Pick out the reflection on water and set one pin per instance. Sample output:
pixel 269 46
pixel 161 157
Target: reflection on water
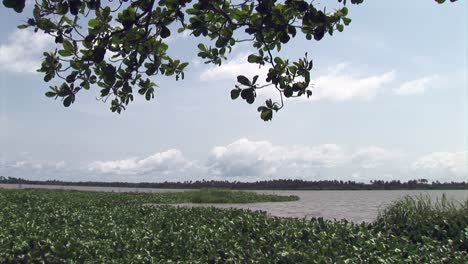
pixel 356 206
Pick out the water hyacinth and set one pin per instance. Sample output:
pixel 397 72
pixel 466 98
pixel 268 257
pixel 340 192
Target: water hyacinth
pixel 77 227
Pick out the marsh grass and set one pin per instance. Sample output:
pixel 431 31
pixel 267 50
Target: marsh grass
pixel 205 195
pixel 420 217
pixel 210 195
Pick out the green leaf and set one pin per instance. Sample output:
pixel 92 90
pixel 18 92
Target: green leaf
pixel 243 80
pixel 74 6
pixel 46 24
pixel 148 95
pixel 201 47
pixel 22 26
pixel 340 28
pixel 284 38
pixel 235 93
pixel 93 22
pixel 221 42
pixel 344 11
pixel 68 100
pixel 253 58
pixel 17 5
pixel 288 91
pixel 255 78
pixel 67 20
pixel 248 95
pixel 68 46
pixel 165 32
pixel 72 77
pixel 65 53
pixel 319 33
pixel 62 8
pixel 50 94
pixel 98 54
pixel 346 20
pixel 266 115
pixel 59 39
pixel 278 60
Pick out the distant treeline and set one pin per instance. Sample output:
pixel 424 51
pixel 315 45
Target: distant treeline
pixel 420 184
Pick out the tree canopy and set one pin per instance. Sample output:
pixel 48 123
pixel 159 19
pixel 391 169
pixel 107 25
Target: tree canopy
pixel 120 45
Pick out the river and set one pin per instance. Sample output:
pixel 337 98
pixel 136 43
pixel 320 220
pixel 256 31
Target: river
pixel 356 206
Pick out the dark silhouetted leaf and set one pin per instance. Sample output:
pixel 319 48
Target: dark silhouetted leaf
pixel 68 100
pixel 235 93
pixel 165 32
pixel 98 54
pixel 243 80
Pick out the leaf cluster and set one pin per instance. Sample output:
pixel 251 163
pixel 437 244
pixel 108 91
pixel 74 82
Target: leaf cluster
pixel 120 46
pixel 63 227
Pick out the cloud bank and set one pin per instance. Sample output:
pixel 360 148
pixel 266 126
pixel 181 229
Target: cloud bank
pixel 454 165
pixel 249 160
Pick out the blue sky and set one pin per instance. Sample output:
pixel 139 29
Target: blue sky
pixel 390 102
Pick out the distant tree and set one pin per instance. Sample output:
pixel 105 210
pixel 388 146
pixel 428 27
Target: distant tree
pixel 118 45
pixel 423 181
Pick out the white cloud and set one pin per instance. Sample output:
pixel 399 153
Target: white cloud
pixel 22 50
pixel 35 169
pixel 263 160
pixel 249 160
pixel 31 165
pixel 338 85
pixel 373 157
pixel 60 165
pixel 441 165
pixel 165 162
pixel 335 84
pixel 417 86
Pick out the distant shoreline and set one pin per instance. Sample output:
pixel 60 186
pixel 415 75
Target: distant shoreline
pixel 291 185
pixel 88 188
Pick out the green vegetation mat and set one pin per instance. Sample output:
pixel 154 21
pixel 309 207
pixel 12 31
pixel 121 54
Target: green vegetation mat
pixel 77 227
pixel 218 196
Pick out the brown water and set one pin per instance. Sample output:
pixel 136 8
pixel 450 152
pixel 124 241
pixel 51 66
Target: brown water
pixel 356 206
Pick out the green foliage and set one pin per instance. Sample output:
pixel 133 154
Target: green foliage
pixel 227 196
pixel 16 5
pixel 66 227
pixel 121 49
pixel 420 218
